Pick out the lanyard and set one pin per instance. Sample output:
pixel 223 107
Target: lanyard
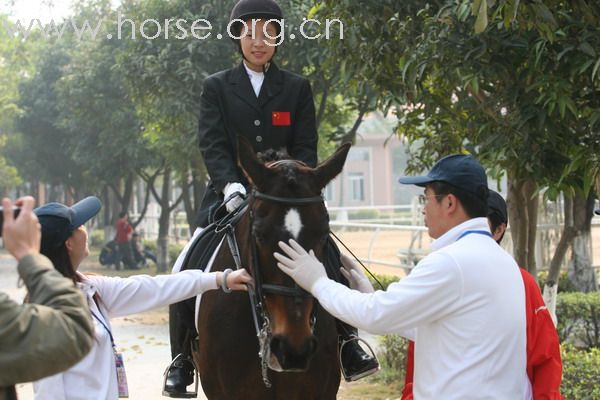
pixel 122 387
pixel 485 233
pixel 112 341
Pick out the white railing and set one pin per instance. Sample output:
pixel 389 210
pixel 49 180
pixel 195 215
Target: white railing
pixel 390 235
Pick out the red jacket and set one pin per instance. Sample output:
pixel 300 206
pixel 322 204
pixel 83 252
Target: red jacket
pixel 124 230
pixel 544 365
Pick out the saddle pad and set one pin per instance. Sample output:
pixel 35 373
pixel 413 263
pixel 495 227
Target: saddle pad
pixel 207 269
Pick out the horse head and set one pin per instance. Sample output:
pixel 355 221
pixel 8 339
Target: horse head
pixel 286 203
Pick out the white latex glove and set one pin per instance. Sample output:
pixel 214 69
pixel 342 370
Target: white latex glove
pixel 235 201
pixel 355 275
pixel 236 280
pixel 302 267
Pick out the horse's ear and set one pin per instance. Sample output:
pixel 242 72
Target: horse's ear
pixel 329 168
pixel 255 170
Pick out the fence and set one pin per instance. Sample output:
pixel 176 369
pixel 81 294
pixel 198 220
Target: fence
pixel 395 236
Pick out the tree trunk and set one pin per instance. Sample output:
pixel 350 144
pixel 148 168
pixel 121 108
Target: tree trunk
pixel 533 205
pixel 580 270
pixel 162 241
pixel 52 194
pixel 522 211
pixel 188 205
pixel 123 190
pixel 127 192
pixel 143 199
pixel 106 214
pixel 193 191
pixel 35 184
pixel 568 233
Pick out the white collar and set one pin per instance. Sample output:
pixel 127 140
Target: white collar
pixel 85 285
pixel 480 224
pixel 252 73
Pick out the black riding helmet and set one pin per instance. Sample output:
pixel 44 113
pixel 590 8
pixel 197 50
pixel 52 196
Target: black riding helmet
pixel 248 9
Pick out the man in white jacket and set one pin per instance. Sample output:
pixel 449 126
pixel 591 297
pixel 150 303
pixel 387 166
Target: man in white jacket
pixel 463 304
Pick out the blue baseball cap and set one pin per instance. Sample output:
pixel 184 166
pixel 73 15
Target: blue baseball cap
pixel 597 212
pixel 58 221
pixel 497 205
pixel 458 170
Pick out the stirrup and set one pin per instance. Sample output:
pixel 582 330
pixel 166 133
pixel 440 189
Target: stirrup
pixel 370 351
pixel 186 394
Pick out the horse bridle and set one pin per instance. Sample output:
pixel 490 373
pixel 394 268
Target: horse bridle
pixel 281 290
pixel 256 293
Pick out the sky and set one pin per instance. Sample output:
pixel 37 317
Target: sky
pixel 44 10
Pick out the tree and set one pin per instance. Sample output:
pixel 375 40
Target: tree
pixel 97 112
pixel 17 59
pixel 41 152
pixel 491 80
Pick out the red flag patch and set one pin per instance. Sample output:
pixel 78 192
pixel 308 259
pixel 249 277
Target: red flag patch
pixel 281 118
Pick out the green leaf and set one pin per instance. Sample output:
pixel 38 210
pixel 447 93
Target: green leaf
pixel 475 7
pixel 482 19
pixel 595 70
pixel 514 6
pixel 586 48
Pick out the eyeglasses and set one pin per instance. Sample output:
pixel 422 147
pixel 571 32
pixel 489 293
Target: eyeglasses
pixel 423 198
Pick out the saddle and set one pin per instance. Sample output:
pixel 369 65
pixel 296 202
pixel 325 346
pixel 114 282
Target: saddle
pixel 199 254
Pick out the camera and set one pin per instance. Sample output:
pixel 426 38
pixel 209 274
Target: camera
pixel 16 211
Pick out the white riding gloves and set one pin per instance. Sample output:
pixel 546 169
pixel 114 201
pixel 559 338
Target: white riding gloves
pixel 230 189
pixel 302 267
pixel 355 275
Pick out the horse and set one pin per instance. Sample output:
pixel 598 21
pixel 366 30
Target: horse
pixel 273 342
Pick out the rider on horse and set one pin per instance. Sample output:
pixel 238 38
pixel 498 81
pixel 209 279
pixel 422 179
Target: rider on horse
pixel 273 109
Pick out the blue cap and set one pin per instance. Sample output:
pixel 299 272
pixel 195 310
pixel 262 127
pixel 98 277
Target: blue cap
pixel 458 170
pixel 497 205
pixel 59 221
pixel 597 212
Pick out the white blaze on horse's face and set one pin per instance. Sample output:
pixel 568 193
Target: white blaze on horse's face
pixel 292 222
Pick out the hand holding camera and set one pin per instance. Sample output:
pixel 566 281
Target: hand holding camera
pixel 20 227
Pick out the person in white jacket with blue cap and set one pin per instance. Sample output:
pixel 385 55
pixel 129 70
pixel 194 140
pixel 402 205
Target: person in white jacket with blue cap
pixel 463 304
pixel 100 375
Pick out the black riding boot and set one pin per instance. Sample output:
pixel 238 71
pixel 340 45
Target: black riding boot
pixel 181 372
pixel 179 376
pixel 356 363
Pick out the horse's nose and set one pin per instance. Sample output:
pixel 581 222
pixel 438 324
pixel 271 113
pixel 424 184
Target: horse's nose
pixel 291 358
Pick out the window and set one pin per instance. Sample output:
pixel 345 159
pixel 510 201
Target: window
pixel 358 154
pixel 357 186
pixel 329 192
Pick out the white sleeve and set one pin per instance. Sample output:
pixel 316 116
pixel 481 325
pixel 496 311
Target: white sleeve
pixel 50 388
pixel 428 293
pixel 124 296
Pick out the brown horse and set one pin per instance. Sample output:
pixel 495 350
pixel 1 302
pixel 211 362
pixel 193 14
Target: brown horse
pixel 274 342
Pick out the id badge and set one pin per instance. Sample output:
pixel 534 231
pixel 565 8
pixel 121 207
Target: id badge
pixel 121 377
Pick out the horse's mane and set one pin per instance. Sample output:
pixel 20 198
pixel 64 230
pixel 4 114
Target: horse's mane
pixel 289 170
pixel 273 155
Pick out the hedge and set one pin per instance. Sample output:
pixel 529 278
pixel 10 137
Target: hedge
pixel 581 368
pixel 579 319
pixel 581 373
pixel 579 331
pixel 564 283
pixel 392 357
